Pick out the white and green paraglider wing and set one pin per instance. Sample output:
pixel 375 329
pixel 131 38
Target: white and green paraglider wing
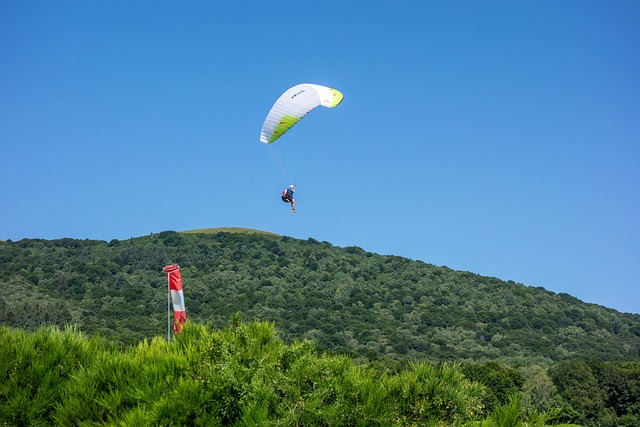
pixel 293 105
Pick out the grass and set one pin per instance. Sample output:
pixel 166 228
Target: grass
pixel 228 230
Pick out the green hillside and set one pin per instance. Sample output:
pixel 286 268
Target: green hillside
pixel 346 300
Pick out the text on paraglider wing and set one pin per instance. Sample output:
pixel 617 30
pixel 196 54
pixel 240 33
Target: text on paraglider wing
pixel 298 93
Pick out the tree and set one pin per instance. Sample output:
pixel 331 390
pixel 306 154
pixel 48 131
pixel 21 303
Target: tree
pixel 579 388
pixel 501 382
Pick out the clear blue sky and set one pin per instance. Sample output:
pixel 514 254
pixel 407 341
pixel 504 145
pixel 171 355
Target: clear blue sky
pixel 497 137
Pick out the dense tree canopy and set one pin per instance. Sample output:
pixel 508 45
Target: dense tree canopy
pixel 344 299
pixel 535 353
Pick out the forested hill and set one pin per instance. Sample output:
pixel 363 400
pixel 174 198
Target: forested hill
pixel 344 299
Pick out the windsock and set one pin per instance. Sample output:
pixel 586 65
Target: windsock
pixel 177 297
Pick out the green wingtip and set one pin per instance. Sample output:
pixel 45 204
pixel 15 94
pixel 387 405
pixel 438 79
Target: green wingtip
pixel 337 97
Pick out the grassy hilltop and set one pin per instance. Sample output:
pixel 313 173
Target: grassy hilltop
pixel 228 230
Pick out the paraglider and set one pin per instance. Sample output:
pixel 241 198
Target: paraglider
pixel 289 109
pixel 287 197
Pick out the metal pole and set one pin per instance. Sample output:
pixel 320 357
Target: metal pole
pixel 168 307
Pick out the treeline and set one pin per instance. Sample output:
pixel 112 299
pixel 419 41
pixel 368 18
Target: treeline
pixel 244 375
pixel 345 300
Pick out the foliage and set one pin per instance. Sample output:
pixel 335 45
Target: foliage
pixel 524 352
pixel 539 393
pixel 346 300
pixel 246 375
pixel 243 375
pixel 599 393
pixel 501 382
pixel 512 414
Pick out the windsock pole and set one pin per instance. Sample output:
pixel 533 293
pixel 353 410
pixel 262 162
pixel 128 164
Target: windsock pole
pixel 168 307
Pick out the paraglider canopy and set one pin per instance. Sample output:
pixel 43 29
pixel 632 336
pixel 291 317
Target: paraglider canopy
pixel 293 105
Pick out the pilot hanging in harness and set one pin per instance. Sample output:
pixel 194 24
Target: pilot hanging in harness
pixel 287 197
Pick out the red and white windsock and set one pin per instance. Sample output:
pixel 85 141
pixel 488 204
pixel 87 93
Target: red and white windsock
pixel 175 287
